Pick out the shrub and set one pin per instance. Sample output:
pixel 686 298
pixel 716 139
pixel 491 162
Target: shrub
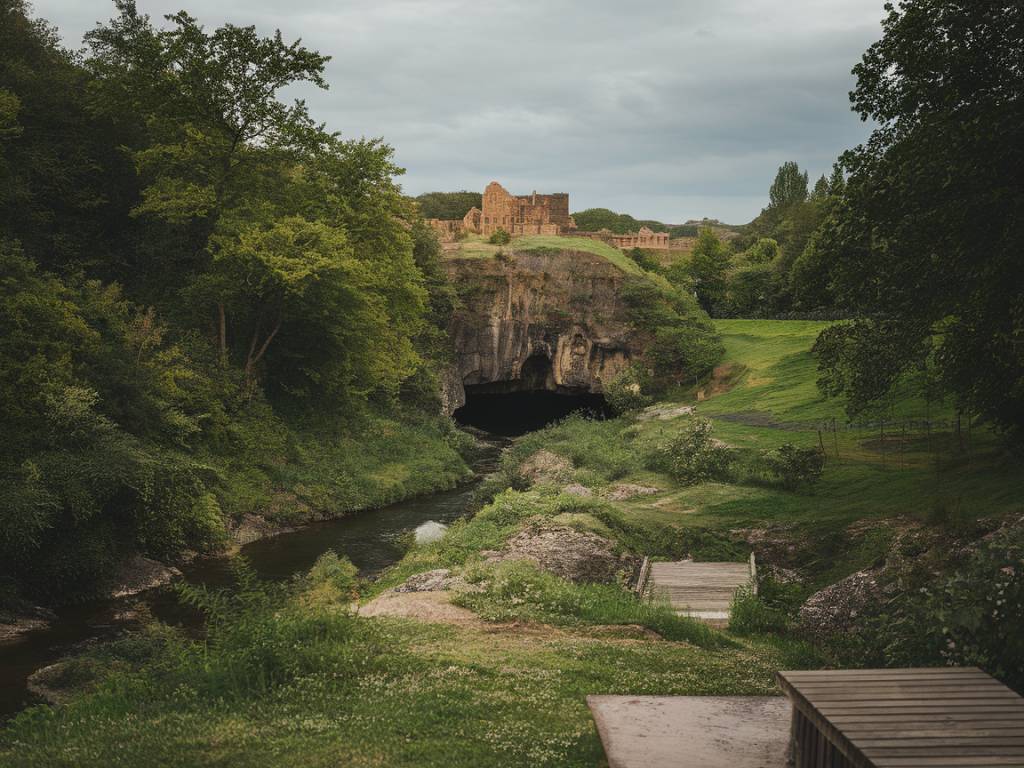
pixel 684 344
pixel 972 616
pixel 626 393
pixel 500 237
pixel 796 467
pixel 258 640
pixel 694 456
pixel 749 615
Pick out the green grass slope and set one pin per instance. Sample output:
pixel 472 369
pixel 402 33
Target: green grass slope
pixel 477 246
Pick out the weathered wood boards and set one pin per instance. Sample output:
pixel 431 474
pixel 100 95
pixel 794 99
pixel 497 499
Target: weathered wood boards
pixel 699 588
pixel 896 718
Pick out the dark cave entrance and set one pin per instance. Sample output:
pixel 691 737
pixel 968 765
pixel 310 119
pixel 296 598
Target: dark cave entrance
pixel 511 414
pixel 512 408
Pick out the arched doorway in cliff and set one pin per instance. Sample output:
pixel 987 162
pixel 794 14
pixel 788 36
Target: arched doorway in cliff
pixel 532 401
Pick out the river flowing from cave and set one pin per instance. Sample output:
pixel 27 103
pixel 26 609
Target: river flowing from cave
pixel 372 540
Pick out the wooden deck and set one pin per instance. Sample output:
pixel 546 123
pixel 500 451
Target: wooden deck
pixel 891 718
pixel 702 590
pixel 692 731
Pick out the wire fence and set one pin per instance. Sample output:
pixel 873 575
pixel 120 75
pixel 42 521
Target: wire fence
pixel 890 438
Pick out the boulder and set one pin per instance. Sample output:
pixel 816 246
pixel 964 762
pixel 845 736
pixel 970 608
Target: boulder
pixel 573 555
pixel 624 491
pixel 546 467
pixel 26 619
pixel 575 489
pixel 836 609
pixel 438 580
pixel 255 527
pixel 138 573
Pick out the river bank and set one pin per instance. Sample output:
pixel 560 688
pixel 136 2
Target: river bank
pixel 372 539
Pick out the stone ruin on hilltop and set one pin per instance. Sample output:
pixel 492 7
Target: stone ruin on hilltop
pixel 535 214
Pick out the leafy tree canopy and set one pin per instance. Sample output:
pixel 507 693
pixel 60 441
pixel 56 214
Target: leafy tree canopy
pixel 448 205
pixel 788 188
pixel 925 242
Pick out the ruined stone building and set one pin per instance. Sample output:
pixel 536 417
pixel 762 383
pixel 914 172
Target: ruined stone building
pixel 516 214
pixel 524 214
pixel 645 238
pixel 534 215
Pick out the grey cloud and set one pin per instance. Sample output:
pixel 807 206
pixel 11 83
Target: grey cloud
pixel 668 109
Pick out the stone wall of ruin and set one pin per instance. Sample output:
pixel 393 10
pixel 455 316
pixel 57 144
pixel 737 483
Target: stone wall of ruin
pixel 524 214
pixel 645 238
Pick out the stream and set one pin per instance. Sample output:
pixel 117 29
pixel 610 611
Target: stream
pixel 372 540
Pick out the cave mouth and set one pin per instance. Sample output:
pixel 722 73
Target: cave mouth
pixel 511 414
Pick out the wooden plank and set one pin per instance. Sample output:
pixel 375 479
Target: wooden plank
pixel 946 740
pixel 698 587
pixel 840 693
pixel 955 750
pixel 964 761
pixel 887 672
pixel 918 717
pixel 894 697
pixel 924 688
pixel 927 725
pixel 920 722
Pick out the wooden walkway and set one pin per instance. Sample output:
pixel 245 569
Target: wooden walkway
pixel 692 731
pixel 888 718
pixel 701 590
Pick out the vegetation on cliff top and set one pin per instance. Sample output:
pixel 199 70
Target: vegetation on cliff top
pixel 476 246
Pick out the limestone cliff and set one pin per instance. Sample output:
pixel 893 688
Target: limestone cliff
pixel 537 320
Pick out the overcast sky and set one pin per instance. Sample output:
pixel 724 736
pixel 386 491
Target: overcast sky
pixel 665 109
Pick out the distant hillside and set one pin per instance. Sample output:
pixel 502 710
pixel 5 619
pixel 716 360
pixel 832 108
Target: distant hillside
pixel 594 219
pixel 448 205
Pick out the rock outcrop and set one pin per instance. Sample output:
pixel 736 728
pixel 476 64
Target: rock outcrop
pixel 574 555
pixel 537 320
pixel 837 609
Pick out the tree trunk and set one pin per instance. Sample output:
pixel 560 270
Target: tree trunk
pixel 222 328
pixel 255 355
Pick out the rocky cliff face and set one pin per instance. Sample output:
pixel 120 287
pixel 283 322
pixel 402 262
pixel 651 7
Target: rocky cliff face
pixel 550 320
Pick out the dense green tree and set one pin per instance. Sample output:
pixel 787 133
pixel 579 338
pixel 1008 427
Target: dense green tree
pixel 229 171
pixel 708 266
pixel 836 181
pixel 764 251
pixel 96 409
pixel 821 189
pixel 788 188
pixel 266 265
pixel 448 205
pixel 595 219
pixel 753 290
pixel 64 183
pixel 644 259
pixel 683 344
pixel 925 243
